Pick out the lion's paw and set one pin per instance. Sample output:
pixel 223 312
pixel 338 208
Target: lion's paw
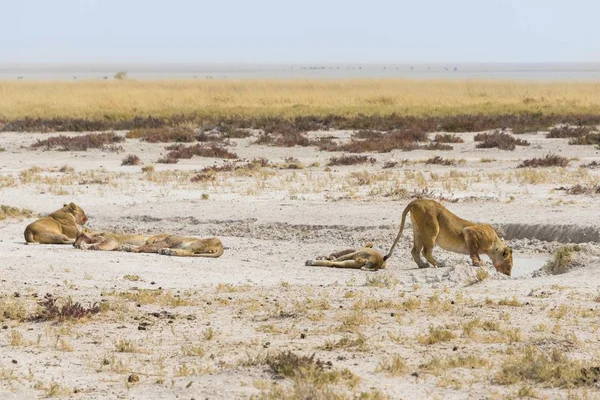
pixel 167 252
pixel 127 247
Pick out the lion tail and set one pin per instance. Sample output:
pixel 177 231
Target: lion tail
pixel 404 213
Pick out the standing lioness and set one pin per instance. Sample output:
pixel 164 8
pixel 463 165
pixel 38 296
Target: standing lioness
pixel 433 224
pixel 60 227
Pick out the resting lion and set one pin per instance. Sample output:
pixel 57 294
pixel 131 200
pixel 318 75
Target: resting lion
pixel 433 224
pixel 60 227
pixel 108 241
pixel 364 258
pixel 173 245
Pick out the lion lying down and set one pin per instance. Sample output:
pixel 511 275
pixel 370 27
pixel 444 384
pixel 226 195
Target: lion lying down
pixel 171 245
pixel 60 227
pixel 364 258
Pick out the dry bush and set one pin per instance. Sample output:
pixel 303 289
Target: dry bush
pixel 436 146
pixel 549 160
pixel 383 142
pixel 500 140
pixel 237 134
pixel 200 150
pixel 437 160
pixel 567 131
pixel 554 369
pixel 591 139
pixel 54 309
pixel 389 164
pixel 203 177
pixel 447 138
pixel 350 160
pixel 78 143
pixel 593 164
pixel 582 189
pixel 561 261
pixel 8 212
pixel 163 135
pixel 131 159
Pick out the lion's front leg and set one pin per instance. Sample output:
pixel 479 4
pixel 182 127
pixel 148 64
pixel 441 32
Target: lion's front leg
pixel 472 241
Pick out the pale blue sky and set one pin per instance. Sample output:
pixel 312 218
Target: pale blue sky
pixel 307 31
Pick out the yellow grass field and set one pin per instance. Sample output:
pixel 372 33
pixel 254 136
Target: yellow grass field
pixel 288 98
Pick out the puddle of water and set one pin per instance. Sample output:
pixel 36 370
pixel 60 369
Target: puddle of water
pixel 523 266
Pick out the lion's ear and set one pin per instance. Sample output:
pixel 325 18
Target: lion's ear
pixel 65 204
pixel 507 252
pixel 72 206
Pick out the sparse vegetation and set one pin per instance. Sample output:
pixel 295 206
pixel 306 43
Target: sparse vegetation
pixel 350 160
pixel 437 160
pixel 56 309
pixel 9 212
pixel 568 131
pixel 561 261
pixel 396 366
pixel 554 369
pixel 447 138
pixel 436 335
pixel 131 159
pixel 163 135
pixel 500 140
pixel 549 160
pixel 79 142
pixel 200 150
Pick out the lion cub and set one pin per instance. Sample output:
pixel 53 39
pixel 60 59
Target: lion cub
pixel 60 227
pixel 173 245
pixel 433 224
pixel 364 258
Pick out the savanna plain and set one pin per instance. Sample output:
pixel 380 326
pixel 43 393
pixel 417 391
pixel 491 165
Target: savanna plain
pixel 282 172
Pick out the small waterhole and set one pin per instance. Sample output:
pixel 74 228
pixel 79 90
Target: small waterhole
pixel 525 266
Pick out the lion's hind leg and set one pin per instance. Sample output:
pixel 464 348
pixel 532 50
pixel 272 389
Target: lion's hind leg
pixel 53 238
pixel 418 247
pixel 352 264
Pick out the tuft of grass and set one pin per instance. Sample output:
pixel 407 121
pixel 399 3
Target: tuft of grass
pixel 561 261
pixel 553 368
pixel 126 346
pixel 500 140
pixel 350 160
pixel 78 143
pixel 549 160
pixel 437 160
pixel 347 343
pixel 9 212
pixel 131 159
pixel 396 366
pixel 381 280
pixel 447 138
pixel 436 335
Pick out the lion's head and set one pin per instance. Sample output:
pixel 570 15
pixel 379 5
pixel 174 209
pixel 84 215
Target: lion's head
pixel 76 211
pixel 503 262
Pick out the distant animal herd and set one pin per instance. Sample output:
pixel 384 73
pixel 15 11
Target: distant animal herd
pixel 432 224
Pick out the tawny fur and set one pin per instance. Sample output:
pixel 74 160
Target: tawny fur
pixel 108 241
pixel 364 258
pixel 172 245
pixel 434 224
pixel 60 227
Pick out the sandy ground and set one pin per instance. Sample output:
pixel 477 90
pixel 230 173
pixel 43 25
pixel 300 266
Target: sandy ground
pixel 201 328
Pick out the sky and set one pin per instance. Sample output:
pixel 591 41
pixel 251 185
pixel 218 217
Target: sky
pixel 298 31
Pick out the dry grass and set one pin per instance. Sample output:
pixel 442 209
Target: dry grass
pixel 561 261
pixel 54 309
pixel 163 135
pixel 350 160
pixel 549 160
pixel 553 369
pixel 79 142
pixel 127 99
pixel 180 151
pixel 131 159
pixel 437 160
pixel 9 212
pixel 567 131
pixel 500 140
pixel 447 138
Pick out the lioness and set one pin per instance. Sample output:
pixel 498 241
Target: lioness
pixel 173 245
pixel 60 227
pixel 433 224
pixel 364 258
pixel 108 241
